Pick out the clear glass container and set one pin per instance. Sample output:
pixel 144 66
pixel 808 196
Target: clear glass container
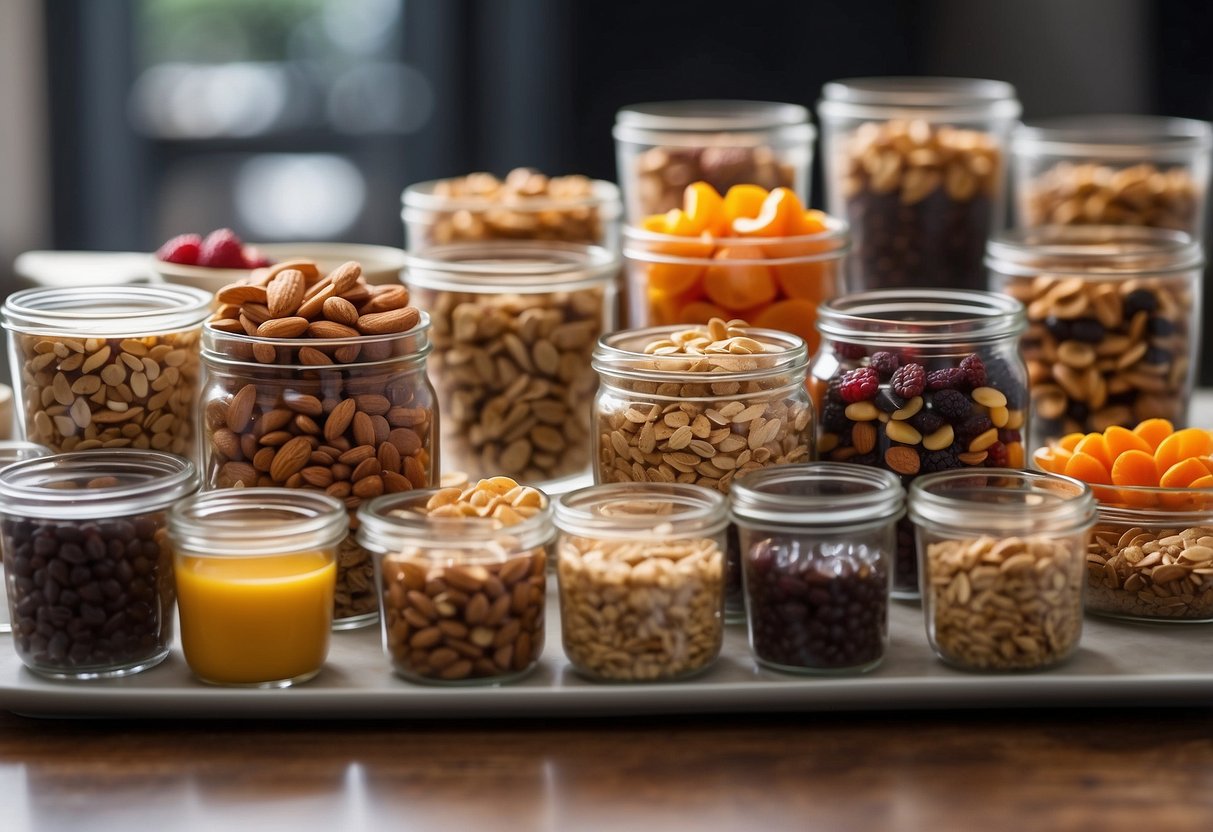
pixel 641 574
pixel 662 147
pixel 817 543
pixel 1003 556
pixel 916 166
pixel 676 418
pixel 88 569
pixel 963 400
pixel 14 451
pixel 463 598
pixel 1113 323
pixel 1113 170
pixel 514 326
pixel 770 282
pixel 358 427
pixel 255 571
pixel 107 367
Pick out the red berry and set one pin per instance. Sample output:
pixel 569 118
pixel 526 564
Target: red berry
pixel 858 385
pixel 974 370
pixel 909 381
pixel 997 456
pixel 851 351
pixel 949 378
pixel 181 249
pixel 222 249
pixel 254 259
pixel 886 363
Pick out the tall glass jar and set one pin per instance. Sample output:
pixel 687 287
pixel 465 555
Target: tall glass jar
pixel 1113 323
pixel 88 569
pixel 514 326
pixel 108 367
pixel 917 381
pixel 14 451
pixel 817 543
pixel 361 425
pixel 916 166
pixel 662 147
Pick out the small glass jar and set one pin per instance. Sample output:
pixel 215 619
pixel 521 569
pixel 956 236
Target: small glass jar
pixel 662 147
pixel 1113 170
pixel 255 571
pixel 770 282
pixel 817 543
pixel 641 575
pixel 1003 557
pixel 1113 323
pixel 361 425
pixel 108 367
pixel 954 357
pixel 88 568
pixel 916 166
pixel 463 598
pixel 514 326
pixel 14 451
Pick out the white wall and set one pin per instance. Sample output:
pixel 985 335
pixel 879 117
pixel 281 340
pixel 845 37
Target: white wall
pixel 24 177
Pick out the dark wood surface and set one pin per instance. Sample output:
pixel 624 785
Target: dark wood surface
pixel 1133 769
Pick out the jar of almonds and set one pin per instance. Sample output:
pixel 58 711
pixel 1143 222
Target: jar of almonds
pixel 514 327
pixel 319 381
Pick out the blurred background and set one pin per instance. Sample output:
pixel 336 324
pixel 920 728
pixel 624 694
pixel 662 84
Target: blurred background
pixel 129 121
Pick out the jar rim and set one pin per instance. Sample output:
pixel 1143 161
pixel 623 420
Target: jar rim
pixel 385 533
pixel 106 310
pixel 526 266
pixel 893 317
pixel 211 337
pixel 420 196
pixel 612 360
pixel 837 233
pixel 196 523
pixel 1093 251
pixel 16 450
pixel 637 122
pixel 820 494
pixel 1118 137
pixel 936 97
pixel 580 512
pixel 1001 499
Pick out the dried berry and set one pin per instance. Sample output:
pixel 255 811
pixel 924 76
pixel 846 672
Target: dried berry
pixel 886 363
pixel 926 421
pixel 971 428
pixel 952 405
pixel 859 385
pixel 1086 329
pixel 832 416
pixel 997 456
pixel 974 370
pixel 942 460
pixel 909 381
pixel 854 352
pixel 1008 436
pixel 949 378
pixel 1000 376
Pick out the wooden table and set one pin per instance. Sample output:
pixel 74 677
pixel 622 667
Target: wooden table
pixel 1141 769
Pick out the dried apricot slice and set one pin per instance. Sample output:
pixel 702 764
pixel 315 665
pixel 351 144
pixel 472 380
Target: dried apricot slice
pixel 1182 444
pixel 1121 439
pixel 807 222
pixel 1053 459
pixel 1204 482
pixel 744 201
pixel 1183 473
pixel 795 316
pixel 1135 468
pixel 739 285
pixel 704 207
pixel 1154 431
pixel 698 312
pixel 1094 444
pixel 772 220
pixel 1070 441
pixel 1083 466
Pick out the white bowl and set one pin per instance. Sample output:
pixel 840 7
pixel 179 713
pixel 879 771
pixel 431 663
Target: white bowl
pixel 380 264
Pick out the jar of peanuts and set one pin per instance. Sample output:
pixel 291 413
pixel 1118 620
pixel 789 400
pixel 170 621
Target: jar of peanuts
pixel 319 382
pixel 916 166
pixel 514 327
pixel 1113 323
pixel 916 381
pixel 641 573
pixel 701 406
pixel 462 576
pixel 1003 565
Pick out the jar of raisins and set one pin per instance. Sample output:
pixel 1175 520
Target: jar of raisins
pixel 916 381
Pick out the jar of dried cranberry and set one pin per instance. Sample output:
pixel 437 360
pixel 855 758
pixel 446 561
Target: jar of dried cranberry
pixel 920 380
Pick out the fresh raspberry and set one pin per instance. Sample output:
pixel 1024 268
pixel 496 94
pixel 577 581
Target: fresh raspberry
pixel 926 421
pixel 181 249
pixel 853 352
pixel 858 385
pixel 949 378
pixel 908 381
pixel 886 363
pixel 941 460
pixel 997 456
pixel 952 405
pixel 254 259
pixel 222 249
pixel 974 370
pixel 971 428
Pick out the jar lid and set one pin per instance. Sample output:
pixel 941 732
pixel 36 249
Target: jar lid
pixel 1005 500
pixel 238 522
pixel 392 522
pixel 707 116
pixel 633 511
pixel 1127 138
pixel 909 317
pixel 622 355
pixel 106 482
pixel 524 267
pixel 820 494
pixel 1095 251
pixel 936 97
pixel 106 311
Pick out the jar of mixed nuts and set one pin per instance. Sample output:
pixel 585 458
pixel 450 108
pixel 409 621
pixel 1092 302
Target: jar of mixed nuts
pixel 14 451
pixel 817 543
pixel 514 326
pixel 701 406
pixel 916 166
pixel 920 380
pixel 1113 323
pixel 641 574
pixel 1003 557
pixel 88 568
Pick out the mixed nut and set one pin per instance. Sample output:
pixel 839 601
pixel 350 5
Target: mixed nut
pixel 1096 194
pixel 1151 573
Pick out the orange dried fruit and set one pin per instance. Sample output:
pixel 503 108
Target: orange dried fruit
pixel 704 207
pixel 1135 468
pixel 744 201
pixel 1204 482
pixel 806 222
pixel 1094 445
pixel 698 312
pixel 1083 466
pixel 1070 441
pixel 1120 439
pixel 674 278
pixel 795 316
pixel 772 218
pixel 739 285
pixel 1189 442
pixel 1154 431
pixel 1183 473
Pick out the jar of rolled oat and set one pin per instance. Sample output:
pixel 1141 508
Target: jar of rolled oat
pixel 514 327
pixel 1003 556
pixel 641 573
pixel 701 406
pixel 916 166
pixel 1113 323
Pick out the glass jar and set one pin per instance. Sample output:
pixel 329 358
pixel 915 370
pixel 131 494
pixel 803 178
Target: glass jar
pixel 1113 323
pixel 362 425
pixel 954 357
pixel 108 367
pixel 14 451
pixel 463 598
pixel 255 571
pixel 1003 556
pixel 641 574
pixel 1113 170
pixel 88 571
pixel 817 543
pixel 770 282
pixel 662 147
pixel 915 165
pixel 514 326
pixel 658 418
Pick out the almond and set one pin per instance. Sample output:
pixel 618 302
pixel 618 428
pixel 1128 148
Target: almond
pixel 384 323
pixel 313 357
pixel 285 293
pixel 258 313
pixel 240 409
pixel 310 273
pixel 339 419
pixel 385 299
pixel 331 329
pixel 227 325
pixel 291 458
pixel 345 276
pixel 903 460
pixel 292 327
pixel 863 437
pixel 314 305
pixel 395 483
pixel 239 293
pixel 341 311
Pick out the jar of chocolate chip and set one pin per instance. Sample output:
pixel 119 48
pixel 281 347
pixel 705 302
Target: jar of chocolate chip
pixel 1113 323
pixel 662 147
pixel 14 451
pixel 916 381
pixel 916 166
pixel 817 543
pixel 88 568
